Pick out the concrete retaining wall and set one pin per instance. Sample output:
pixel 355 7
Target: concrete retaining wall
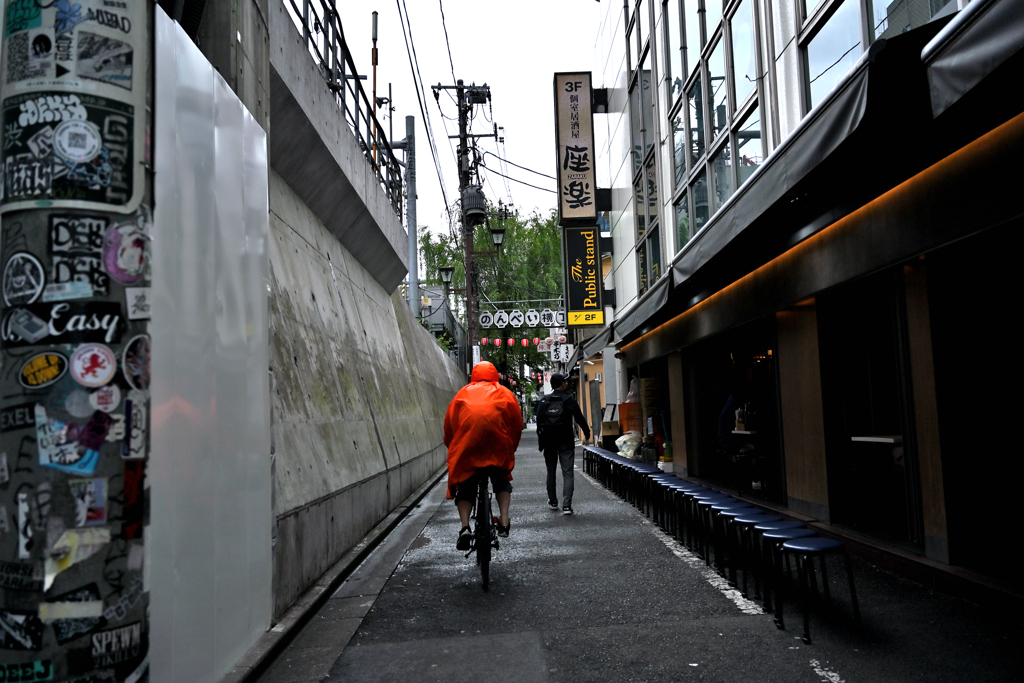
pixel 359 394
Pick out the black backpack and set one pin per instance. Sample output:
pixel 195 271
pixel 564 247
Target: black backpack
pixel 550 412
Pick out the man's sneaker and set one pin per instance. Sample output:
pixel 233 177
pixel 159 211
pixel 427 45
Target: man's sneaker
pixel 553 504
pixel 503 530
pixel 567 509
pixel 465 539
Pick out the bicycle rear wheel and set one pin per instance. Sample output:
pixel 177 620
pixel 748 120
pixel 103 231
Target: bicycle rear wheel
pixel 483 531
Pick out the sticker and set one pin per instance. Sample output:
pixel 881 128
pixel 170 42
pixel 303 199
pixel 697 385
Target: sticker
pixel 21 15
pixel 68 628
pixel 117 429
pixel 90 496
pixel 132 497
pixel 108 178
pixel 136 556
pixel 24 527
pixel 76 251
pixel 104 59
pixel 23 279
pixel 5 525
pixel 42 370
pixel 106 398
pixel 135 362
pixel 64 322
pixel 39 670
pixel 12 418
pixel 73 546
pixel 137 300
pixel 19 576
pixel 76 141
pixel 112 648
pixel 65 445
pixel 134 446
pixel 124 253
pixel 5 475
pixel 27 54
pixel 20 631
pixel 93 365
pixel 26 326
pixel 78 405
pixel 107 676
pixel 68 291
pixel 130 597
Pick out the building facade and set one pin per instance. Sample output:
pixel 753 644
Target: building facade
pixel 813 226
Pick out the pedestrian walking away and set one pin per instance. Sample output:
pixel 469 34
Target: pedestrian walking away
pixel 482 429
pixel 557 439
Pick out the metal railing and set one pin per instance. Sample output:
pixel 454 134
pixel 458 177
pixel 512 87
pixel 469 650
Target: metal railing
pixel 320 26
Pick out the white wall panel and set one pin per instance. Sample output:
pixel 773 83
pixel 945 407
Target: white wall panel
pixel 210 559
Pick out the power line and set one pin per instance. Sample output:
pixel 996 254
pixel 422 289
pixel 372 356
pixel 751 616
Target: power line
pixel 445 26
pixel 545 189
pixel 420 95
pixel 518 166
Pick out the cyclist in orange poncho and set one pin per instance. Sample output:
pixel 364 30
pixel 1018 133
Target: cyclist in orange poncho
pixel 481 430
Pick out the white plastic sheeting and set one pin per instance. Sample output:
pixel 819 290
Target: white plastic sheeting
pixel 209 563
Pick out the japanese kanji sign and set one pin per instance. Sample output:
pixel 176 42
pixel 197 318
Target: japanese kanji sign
pixel 574 133
pixel 583 279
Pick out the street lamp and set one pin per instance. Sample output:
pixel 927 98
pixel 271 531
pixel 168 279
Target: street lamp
pixel 497 237
pixel 446 273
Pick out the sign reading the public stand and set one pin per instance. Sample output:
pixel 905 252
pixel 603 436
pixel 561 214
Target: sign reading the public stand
pixel 583 277
pixel 574 132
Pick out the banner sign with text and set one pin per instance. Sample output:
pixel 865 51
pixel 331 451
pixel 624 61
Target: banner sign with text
pixel 583 281
pixel 574 133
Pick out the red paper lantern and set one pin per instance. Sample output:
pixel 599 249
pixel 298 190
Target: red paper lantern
pixel 484 341
pixel 536 340
pixel 526 342
pixel 497 342
pixel 561 339
pixel 511 342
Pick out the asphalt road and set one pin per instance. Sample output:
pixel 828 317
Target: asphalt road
pixel 604 595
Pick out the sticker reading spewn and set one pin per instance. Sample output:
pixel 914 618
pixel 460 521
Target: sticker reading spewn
pixel 43 370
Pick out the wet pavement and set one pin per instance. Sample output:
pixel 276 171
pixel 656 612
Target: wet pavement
pixel 604 595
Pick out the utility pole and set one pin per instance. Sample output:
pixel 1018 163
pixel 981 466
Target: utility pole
pixel 410 213
pixel 467 227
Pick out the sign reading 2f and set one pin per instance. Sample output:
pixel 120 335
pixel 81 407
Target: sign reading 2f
pixel 574 133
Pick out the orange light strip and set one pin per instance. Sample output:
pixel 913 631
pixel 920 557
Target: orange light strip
pixel 973 154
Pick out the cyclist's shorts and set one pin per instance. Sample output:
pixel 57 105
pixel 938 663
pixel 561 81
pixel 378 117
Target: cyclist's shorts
pixel 466 490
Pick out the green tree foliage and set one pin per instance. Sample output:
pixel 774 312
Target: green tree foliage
pixel 529 268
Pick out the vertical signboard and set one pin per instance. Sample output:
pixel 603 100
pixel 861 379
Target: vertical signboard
pixel 574 133
pixel 583 277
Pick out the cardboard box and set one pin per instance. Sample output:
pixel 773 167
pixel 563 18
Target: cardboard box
pixel 610 428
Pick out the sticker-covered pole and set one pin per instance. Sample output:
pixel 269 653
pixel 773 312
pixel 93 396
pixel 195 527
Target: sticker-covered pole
pixel 410 181
pixel 75 199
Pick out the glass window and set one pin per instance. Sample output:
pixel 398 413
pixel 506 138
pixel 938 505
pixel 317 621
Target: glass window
pixel 654 256
pixel 749 151
pixel 679 139
pixel 713 15
pixel 692 25
pixel 674 48
pixel 652 191
pixel 900 16
pixel 640 205
pixel 642 20
pixel 721 171
pixel 641 266
pixel 833 50
pixel 683 233
pixel 699 192
pixel 695 98
pixel 635 124
pixel 648 106
pixel 719 98
pixel 744 73
pixel 810 6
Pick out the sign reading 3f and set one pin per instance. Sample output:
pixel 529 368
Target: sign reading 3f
pixel 574 131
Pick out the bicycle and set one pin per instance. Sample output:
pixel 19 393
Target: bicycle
pixel 485 530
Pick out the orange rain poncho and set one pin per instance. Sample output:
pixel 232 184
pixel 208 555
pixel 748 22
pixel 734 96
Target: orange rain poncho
pixel 482 427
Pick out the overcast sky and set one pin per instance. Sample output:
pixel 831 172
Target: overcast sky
pixel 514 47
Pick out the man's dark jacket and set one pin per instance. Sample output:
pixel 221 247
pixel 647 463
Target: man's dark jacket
pixel 562 435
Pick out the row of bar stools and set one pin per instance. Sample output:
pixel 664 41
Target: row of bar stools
pixel 747 551
pixel 806 549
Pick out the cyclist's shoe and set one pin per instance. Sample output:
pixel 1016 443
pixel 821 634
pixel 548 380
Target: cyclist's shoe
pixel 503 530
pixel 567 509
pixel 465 539
pixel 553 504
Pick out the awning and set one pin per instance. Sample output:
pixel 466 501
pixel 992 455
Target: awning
pixel 982 37
pixel 653 302
pixel 597 343
pixel 835 118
